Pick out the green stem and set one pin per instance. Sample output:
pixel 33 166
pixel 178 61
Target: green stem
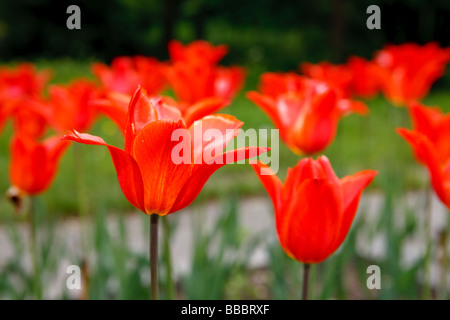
pixel 305 281
pixel 37 286
pixel 154 256
pixel 170 284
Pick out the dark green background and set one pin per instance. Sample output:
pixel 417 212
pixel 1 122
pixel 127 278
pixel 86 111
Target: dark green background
pixel 274 33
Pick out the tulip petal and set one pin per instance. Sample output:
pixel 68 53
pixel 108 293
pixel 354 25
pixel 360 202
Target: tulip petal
pixel 211 134
pixel 352 188
pixel 162 177
pixel 268 105
pixel 347 106
pixel 426 154
pixel 164 110
pixel 128 172
pixel 115 107
pixel 203 108
pixel 308 224
pixel 271 183
pixel 140 112
pixel 202 172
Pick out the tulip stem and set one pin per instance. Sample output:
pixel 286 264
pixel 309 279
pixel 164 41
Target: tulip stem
pixel 154 256
pixel 306 269
pixel 33 249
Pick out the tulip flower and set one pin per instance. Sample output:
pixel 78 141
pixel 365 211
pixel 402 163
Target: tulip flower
pixel 406 72
pixel 126 73
pixel 22 81
pixel 314 210
pixel 17 85
pixel 306 111
pixel 198 61
pixel 34 163
pixel 152 174
pixel 197 52
pixel 364 77
pixel 430 142
pixel 148 176
pixel 336 76
pixel 72 106
pixel 31 117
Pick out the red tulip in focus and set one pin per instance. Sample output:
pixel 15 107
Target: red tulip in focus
pixel 194 75
pixel 430 142
pixel 72 107
pixel 314 209
pixel 407 72
pixel 306 111
pixel 127 73
pixel 149 176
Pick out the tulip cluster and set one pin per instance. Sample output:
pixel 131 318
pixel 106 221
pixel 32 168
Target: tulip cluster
pixel 160 175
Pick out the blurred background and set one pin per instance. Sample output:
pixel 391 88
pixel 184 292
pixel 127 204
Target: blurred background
pixel 276 34
pixel 265 35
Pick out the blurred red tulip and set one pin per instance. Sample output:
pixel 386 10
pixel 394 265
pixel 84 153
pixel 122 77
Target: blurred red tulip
pixel 33 164
pixel 126 73
pixel 17 85
pixel 364 77
pixel 314 209
pixel 194 75
pixel 336 76
pixel 115 107
pixel 306 111
pixel 72 106
pixel 406 72
pixel 148 175
pixel 22 81
pixel 430 143
pixel 31 117
pixel 197 52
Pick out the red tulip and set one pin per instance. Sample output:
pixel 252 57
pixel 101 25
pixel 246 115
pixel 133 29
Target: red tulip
pixel 126 73
pixel 147 173
pixel 336 76
pixel 197 52
pixel 314 209
pixel 33 164
pixel 407 72
pixel 305 111
pixel 17 85
pixel 364 77
pixel 72 106
pixel 22 81
pixel 430 142
pixel 193 74
pixel 31 117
